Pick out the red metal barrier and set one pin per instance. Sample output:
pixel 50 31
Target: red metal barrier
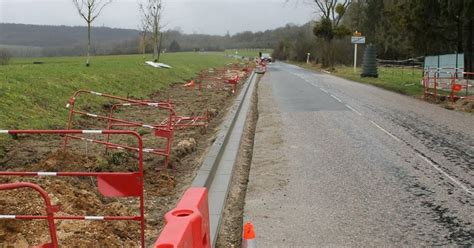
pixel 178 122
pixel 164 131
pixel 434 82
pixel 187 225
pixel 446 82
pixel 110 184
pixel 219 79
pixel 50 210
pixel 466 83
pixel 245 67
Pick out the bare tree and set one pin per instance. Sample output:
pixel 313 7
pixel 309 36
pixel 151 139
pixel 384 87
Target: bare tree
pixel 329 26
pixel 143 38
pixel 89 10
pixel 152 11
pixel 332 9
pixel 144 27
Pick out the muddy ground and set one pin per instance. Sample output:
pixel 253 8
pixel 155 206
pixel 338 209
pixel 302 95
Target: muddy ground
pixel 79 196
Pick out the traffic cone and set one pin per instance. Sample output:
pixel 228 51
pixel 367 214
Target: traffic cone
pixel 248 237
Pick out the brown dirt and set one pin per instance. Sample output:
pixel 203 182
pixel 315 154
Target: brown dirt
pixel 230 233
pixel 79 196
pixel 465 105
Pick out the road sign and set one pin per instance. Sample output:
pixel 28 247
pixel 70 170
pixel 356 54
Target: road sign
pixel 358 39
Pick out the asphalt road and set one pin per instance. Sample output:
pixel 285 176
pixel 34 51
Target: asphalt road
pixel 338 163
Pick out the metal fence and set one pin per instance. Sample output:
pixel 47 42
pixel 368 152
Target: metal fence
pixel 446 64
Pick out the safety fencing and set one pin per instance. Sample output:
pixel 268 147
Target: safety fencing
pixel 163 130
pixel 226 78
pixel 50 210
pixel 218 80
pixel 187 225
pixel 178 122
pixel 110 184
pixel 450 83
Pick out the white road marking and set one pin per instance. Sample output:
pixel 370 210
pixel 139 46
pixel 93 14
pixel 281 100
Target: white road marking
pixel 385 131
pixel 445 174
pixel 462 186
pixel 351 108
pixel 335 97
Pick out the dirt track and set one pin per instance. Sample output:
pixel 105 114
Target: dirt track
pixel 79 196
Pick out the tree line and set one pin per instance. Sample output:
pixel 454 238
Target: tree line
pixel 410 28
pixel 27 40
pixel 399 29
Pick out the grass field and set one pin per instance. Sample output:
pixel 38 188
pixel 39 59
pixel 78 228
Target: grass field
pixel 251 53
pixel 402 80
pixel 34 95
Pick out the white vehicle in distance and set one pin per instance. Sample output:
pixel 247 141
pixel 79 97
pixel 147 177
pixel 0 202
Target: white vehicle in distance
pixel 266 57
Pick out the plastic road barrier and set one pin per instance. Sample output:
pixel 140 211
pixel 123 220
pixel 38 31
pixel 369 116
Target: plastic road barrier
pixel 187 225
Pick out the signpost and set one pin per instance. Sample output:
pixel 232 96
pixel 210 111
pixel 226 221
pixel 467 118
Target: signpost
pixel 307 58
pixel 357 39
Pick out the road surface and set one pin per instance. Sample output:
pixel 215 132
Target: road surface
pixel 338 163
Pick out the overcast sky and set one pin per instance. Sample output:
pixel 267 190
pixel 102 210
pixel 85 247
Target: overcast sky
pixel 192 16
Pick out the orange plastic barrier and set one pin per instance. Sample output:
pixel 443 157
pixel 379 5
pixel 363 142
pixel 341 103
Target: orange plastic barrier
pixel 187 225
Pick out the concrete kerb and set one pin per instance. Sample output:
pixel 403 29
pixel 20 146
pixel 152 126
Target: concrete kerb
pixel 218 166
pixel 208 168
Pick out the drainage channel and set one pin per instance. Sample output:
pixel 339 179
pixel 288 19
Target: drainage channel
pixel 218 166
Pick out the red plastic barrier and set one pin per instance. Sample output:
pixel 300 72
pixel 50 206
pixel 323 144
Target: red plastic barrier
pixel 187 225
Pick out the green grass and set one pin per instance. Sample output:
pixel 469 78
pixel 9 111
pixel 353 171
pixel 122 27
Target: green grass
pixel 251 53
pixel 402 80
pixel 34 96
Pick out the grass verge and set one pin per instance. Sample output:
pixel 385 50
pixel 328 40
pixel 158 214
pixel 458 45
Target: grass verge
pixel 401 80
pixel 33 96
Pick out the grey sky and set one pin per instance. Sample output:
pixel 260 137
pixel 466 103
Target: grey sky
pixel 192 16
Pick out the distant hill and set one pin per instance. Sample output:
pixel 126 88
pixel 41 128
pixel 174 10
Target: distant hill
pixel 53 36
pixel 40 40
